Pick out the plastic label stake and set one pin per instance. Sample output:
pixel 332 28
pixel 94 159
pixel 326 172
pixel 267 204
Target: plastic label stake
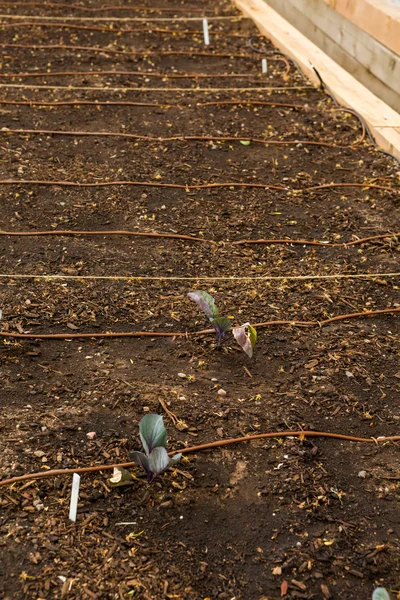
pixel 73 507
pixel 264 65
pixel 206 33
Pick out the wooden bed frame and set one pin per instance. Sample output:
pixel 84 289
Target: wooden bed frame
pixel 348 90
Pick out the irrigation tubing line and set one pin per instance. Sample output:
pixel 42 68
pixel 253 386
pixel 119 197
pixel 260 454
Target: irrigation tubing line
pixel 129 19
pixel 164 278
pixel 104 29
pixel 315 242
pixel 108 50
pixel 34 103
pixel 45 5
pixel 193 449
pixel 189 238
pixel 186 334
pixel 181 137
pixel 151 234
pixel 99 88
pixel 118 32
pixel 251 102
pixel 131 73
pixel 200 186
pixel 139 183
pixel 179 106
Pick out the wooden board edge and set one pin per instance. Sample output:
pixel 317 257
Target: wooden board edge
pixel 380 19
pixel 388 138
pixel 347 90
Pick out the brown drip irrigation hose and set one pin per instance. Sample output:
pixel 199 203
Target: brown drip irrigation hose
pixel 179 106
pixel 189 238
pixel 149 30
pixel 316 243
pixel 142 183
pixel 184 138
pixel 251 103
pixel 129 73
pixel 192 449
pixel 33 103
pixel 164 90
pixel 151 234
pixel 167 279
pixel 108 50
pixel 132 334
pixel 103 29
pixel 110 19
pixel 45 5
pixel 200 186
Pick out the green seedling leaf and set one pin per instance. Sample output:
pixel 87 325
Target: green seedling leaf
pixel 152 432
pixel 221 325
pixel 156 459
pixel 245 142
pixel 120 478
pixel 380 594
pixel 206 302
pixel 252 335
pixel 142 460
pixel 246 337
pixel 175 459
pixel 159 461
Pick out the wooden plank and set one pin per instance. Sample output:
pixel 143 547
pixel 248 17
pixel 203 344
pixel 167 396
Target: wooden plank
pixel 371 54
pixel 347 90
pixel 389 138
pixel 379 18
pixel 357 52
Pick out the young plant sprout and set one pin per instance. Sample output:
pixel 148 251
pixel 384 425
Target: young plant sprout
pixel 245 335
pixel 380 594
pixel 155 459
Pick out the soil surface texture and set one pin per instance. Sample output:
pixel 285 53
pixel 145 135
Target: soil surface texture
pixel 120 119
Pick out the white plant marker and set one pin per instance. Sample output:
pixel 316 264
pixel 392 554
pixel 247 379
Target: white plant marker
pixel 264 65
pixel 73 507
pixel 206 33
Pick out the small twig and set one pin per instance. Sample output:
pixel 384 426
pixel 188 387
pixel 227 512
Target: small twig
pixel 178 423
pixel 171 415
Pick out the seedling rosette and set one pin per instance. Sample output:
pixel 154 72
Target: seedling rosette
pixel 245 335
pixel 153 435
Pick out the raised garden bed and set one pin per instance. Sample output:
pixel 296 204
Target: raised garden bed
pixel 284 517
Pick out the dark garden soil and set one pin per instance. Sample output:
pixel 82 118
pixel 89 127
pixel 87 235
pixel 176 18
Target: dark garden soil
pixel 284 517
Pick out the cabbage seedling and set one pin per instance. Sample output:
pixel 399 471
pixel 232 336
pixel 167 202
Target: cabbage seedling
pixel 154 460
pixel 245 335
